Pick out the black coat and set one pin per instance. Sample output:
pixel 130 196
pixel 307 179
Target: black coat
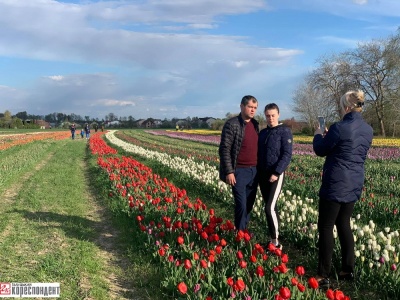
pixel 345 146
pixel 229 147
pixel 275 149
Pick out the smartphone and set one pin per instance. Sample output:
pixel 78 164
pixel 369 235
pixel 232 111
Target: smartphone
pixel 322 125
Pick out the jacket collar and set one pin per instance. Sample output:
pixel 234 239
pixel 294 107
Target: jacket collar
pixel 255 122
pixel 352 115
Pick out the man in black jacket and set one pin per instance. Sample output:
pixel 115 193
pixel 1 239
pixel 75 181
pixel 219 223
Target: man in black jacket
pixel 274 156
pixel 238 159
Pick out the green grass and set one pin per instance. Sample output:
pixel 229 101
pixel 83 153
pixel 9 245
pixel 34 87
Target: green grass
pixel 57 220
pixel 18 160
pixel 54 228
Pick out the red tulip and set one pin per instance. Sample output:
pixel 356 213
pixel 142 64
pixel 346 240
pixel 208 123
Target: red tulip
pixel 187 264
pixel 240 285
pixel 260 271
pixel 180 240
pixel 203 264
pixel 300 270
pixel 301 287
pixel 284 292
pixel 313 283
pixel 229 281
pixel 294 281
pixel 182 288
pixel 282 268
pixel 161 252
pixel 242 264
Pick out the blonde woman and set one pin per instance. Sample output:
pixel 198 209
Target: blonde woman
pixel 345 146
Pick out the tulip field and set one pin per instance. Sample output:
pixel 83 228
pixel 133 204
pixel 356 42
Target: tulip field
pixel 165 184
pixel 199 253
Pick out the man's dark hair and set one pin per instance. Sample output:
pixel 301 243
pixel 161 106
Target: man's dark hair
pixel 246 99
pixel 271 106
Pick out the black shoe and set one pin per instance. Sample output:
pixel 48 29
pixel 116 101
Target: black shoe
pixel 324 283
pixel 346 276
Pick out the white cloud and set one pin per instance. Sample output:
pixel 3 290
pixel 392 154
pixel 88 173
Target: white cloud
pixel 202 26
pixel 114 102
pixel 56 77
pixel 180 11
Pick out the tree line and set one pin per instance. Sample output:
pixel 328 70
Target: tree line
pixel 29 121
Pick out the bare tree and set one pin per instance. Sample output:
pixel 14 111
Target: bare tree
pixel 111 117
pixel 310 102
pixel 376 70
pixel 332 78
pixel 393 54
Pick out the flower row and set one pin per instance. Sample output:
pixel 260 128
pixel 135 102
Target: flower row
pixel 302 145
pixel 7 141
pixel 202 256
pixel 299 217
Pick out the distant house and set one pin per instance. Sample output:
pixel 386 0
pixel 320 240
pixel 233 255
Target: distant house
pixel 157 122
pixel 43 124
pixel 208 120
pixel 139 122
pixel 151 123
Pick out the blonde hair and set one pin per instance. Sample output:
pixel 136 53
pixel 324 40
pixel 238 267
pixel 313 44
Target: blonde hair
pixel 353 100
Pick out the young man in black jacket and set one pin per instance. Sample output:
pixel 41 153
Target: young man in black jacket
pixel 274 155
pixel 238 159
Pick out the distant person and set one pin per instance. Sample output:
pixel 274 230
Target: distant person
pixel 345 146
pixel 82 133
pixel 102 128
pixel 87 131
pixel 275 144
pixel 238 159
pixel 72 128
pixel 96 127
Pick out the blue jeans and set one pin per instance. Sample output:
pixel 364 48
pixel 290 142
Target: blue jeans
pixel 244 193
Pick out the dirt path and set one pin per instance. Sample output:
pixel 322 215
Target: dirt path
pixel 111 254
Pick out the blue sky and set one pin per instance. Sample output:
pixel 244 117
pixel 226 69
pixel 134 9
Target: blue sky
pixel 173 58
